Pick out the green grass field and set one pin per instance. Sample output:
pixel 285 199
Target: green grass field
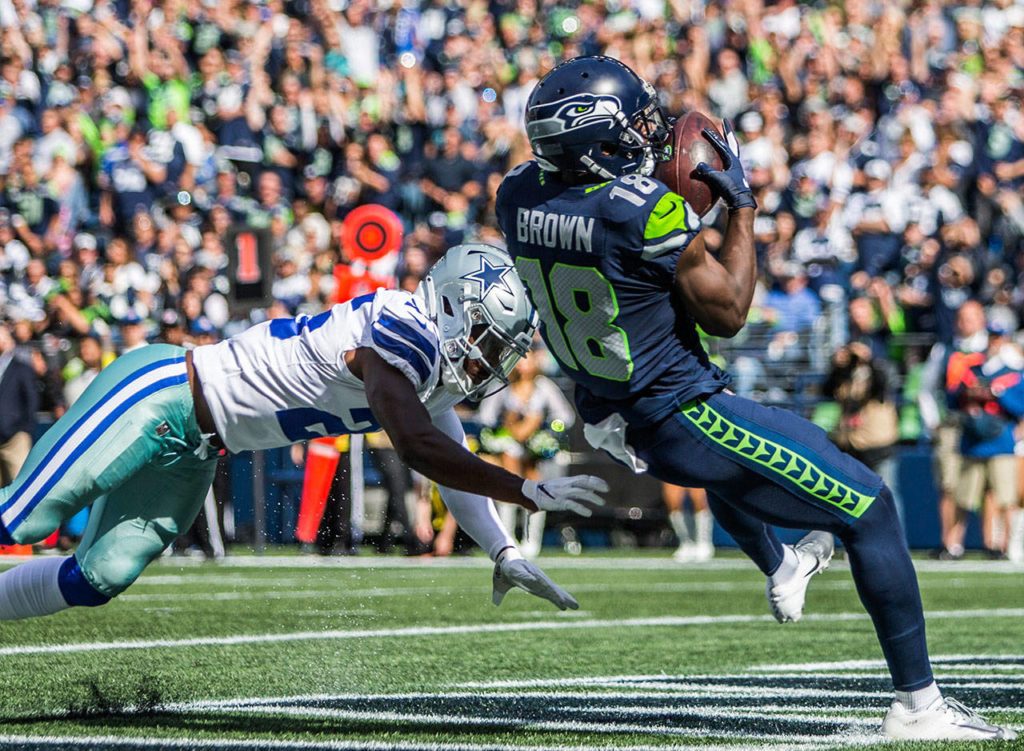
pixel 283 652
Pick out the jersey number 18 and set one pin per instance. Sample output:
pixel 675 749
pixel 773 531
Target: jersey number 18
pixel 589 340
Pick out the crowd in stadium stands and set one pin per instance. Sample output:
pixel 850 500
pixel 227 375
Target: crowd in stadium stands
pixel 884 141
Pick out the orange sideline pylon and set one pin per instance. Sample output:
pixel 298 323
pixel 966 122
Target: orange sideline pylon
pixel 321 464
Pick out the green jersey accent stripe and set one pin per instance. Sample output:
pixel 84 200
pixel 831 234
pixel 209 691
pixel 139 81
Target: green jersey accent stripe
pixel 592 188
pixel 671 243
pixel 786 464
pixel 668 215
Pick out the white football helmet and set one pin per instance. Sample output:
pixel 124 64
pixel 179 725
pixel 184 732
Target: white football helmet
pixel 479 303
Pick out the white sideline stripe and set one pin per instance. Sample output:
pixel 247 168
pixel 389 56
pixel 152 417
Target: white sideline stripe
pixel 685 688
pixel 334 591
pixel 75 439
pixel 427 563
pixel 808 667
pixel 386 632
pixel 598 562
pixel 559 625
pixel 110 741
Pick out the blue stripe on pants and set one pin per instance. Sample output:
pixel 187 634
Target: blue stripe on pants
pixel 117 399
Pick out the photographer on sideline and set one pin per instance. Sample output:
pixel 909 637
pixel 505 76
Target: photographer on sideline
pixel 868 426
pixel 990 401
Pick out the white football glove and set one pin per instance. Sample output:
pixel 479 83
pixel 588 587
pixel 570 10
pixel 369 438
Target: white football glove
pixel 512 570
pixel 565 493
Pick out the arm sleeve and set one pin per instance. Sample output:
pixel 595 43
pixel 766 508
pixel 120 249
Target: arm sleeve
pixel 474 513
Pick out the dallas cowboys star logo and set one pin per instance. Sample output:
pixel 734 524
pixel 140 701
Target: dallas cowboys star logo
pixel 490 277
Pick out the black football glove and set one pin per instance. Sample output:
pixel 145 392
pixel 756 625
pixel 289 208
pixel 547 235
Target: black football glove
pixel 728 183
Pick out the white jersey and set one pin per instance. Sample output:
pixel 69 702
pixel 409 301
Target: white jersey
pixel 286 380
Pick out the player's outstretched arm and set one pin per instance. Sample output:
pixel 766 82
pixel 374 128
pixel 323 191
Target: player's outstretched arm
pixel 426 449
pixel 477 517
pixel 718 291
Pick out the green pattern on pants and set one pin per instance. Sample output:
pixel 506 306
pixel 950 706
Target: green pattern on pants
pixel 788 466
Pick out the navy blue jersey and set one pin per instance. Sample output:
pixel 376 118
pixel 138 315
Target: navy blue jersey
pixel 599 263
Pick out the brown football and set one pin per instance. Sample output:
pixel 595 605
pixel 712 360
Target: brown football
pixel 689 148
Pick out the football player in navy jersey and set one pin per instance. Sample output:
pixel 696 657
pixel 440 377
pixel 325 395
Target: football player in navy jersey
pixel 617 268
pixel 140 445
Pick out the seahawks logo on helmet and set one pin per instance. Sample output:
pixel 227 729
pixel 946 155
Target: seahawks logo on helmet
pixel 572 113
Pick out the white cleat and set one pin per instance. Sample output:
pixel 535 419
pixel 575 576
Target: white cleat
pixel 703 551
pixel 943 720
pixel 786 598
pixel 685 553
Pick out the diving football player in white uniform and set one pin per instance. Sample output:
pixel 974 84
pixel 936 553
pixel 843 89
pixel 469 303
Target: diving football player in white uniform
pixel 140 445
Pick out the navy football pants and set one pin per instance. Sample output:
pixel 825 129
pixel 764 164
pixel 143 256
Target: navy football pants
pixel 763 465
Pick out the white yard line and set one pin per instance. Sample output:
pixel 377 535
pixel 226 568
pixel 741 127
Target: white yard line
pixel 109 741
pixel 339 591
pixel 831 667
pixel 556 625
pixel 596 561
pixel 384 633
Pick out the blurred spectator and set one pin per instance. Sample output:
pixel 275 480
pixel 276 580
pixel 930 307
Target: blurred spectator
pixel 82 370
pixel 693 525
pixel 990 401
pixel 868 426
pixel 449 173
pixel 19 401
pixel 874 317
pixel 133 332
pixel 794 309
pixel 945 369
pixel 876 218
pixel 33 211
pixel 172 329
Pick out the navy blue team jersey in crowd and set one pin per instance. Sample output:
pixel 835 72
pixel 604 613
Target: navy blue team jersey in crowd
pixel 599 263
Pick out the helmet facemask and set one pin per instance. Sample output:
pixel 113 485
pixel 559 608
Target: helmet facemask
pixel 478 364
pixel 483 316
pixel 651 129
pixel 645 137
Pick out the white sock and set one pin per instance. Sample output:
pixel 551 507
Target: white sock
pixel 1015 545
pixel 31 589
pixel 786 569
pixel 923 698
pixel 678 521
pixel 703 524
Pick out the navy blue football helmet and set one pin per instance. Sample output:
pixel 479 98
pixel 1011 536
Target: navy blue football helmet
pixel 592 118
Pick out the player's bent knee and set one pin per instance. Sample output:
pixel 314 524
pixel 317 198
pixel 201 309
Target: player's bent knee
pixel 75 588
pixel 114 574
pixel 113 571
